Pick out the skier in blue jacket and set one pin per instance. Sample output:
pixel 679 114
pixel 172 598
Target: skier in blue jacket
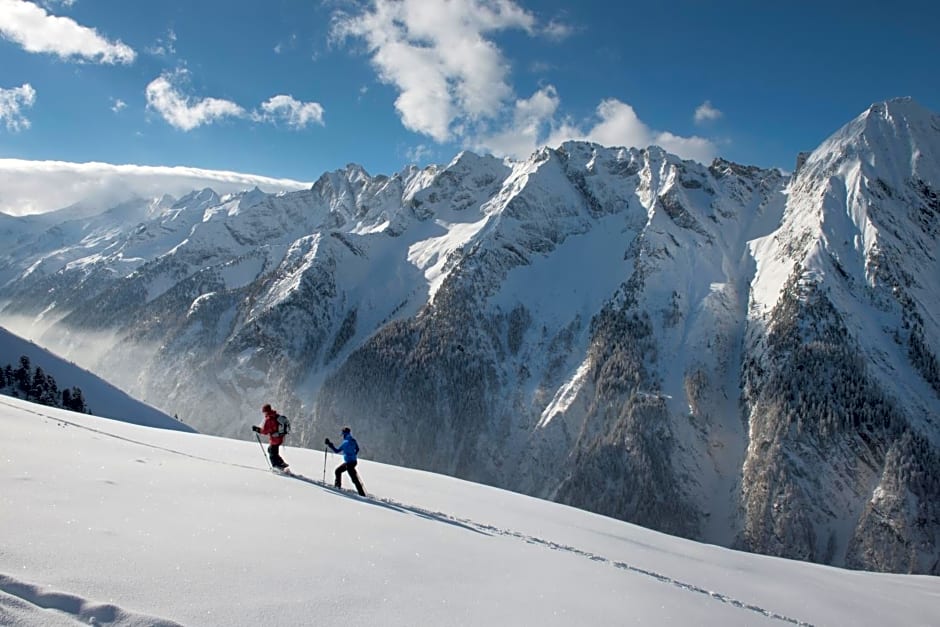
pixel 350 450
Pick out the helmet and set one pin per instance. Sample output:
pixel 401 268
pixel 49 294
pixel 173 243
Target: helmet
pixel 345 430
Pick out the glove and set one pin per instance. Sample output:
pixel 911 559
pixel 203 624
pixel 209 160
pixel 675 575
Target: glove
pixel 256 428
pixel 327 442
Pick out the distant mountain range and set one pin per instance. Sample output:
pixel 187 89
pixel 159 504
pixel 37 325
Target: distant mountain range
pixel 721 352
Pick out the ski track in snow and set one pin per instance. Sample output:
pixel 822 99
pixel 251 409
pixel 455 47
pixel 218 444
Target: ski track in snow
pixel 68 603
pixel 21 603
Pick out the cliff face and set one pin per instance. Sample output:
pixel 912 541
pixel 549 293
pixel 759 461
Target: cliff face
pixel 720 352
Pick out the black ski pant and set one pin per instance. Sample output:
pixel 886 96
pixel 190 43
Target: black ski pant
pixel 349 467
pixel 275 456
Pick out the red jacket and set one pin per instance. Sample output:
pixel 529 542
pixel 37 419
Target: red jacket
pixel 270 427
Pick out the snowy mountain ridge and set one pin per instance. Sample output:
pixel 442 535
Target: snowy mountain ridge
pixel 720 352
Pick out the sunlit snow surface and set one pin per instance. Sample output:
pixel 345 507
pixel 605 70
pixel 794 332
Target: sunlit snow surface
pixel 105 522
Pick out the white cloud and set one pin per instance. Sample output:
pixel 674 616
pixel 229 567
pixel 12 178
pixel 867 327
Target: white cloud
pixel 12 103
pixel 119 105
pixel 291 44
pixel 696 148
pixel 535 123
pixel 30 26
pixel 557 30
pixel 447 72
pixel 295 113
pixel 164 46
pixel 453 82
pixel 165 96
pixel 422 153
pixel 179 110
pixel 706 112
pixel 39 186
pixel 522 136
pixel 619 125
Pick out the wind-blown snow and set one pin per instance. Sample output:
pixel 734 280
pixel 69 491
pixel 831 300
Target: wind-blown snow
pixel 113 523
pixel 101 397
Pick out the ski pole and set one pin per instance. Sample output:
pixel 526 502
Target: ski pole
pixel 324 464
pixel 258 437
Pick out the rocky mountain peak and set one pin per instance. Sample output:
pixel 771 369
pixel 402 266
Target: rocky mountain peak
pixel 718 352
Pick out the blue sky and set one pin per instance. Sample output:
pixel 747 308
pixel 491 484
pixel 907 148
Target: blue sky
pixel 294 88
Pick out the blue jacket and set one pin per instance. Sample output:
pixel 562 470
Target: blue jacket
pixel 349 448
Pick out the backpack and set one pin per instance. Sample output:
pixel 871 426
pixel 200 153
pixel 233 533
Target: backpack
pixel 283 426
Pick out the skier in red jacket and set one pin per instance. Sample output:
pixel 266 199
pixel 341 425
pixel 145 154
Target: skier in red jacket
pixel 271 428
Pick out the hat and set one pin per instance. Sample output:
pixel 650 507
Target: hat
pixel 345 430
pixel 267 408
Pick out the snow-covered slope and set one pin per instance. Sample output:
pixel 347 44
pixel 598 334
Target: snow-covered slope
pixel 102 398
pixel 126 525
pixel 723 352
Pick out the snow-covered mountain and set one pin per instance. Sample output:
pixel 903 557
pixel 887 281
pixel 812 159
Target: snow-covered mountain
pixel 842 380
pixel 723 352
pixel 116 524
pixel 102 398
